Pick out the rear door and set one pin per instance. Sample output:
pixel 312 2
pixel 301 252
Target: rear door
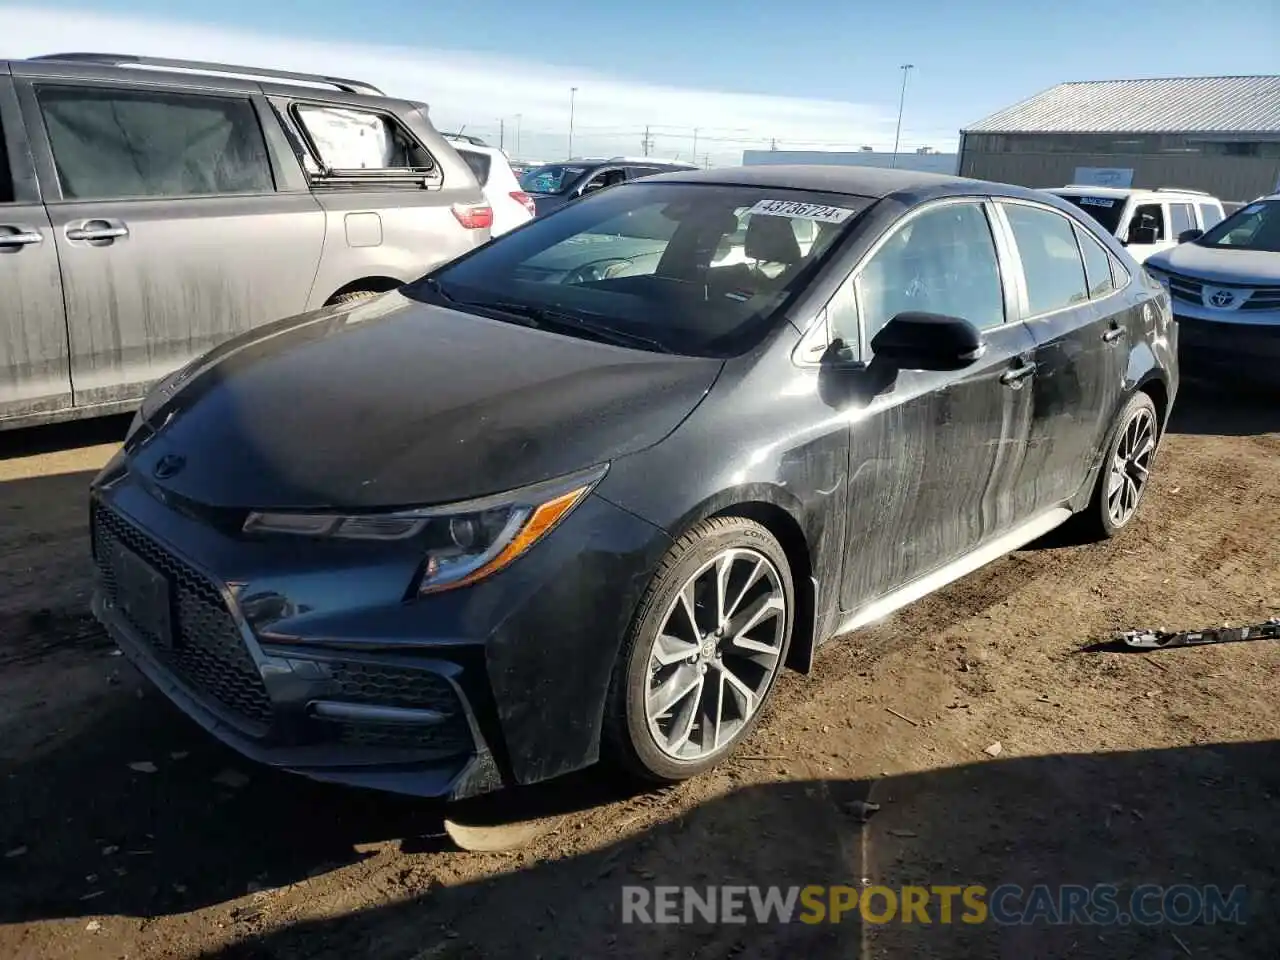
pixel 174 224
pixel 1067 298
pixel 35 374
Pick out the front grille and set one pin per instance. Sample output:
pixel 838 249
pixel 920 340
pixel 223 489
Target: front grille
pixel 207 651
pixel 1186 288
pixel 1191 290
pixel 1263 298
pixel 373 684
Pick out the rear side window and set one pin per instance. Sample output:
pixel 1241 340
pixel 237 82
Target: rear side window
pixel 360 143
pixel 1181 217
pixel 1211 215
pixel 480 164
pixel 1097 265
pixel 110 143
pixel 1050 258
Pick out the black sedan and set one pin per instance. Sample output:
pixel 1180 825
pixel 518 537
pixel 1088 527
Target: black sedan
pixel 583 493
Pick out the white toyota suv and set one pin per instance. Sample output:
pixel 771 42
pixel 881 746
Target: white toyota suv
pixel 1146 221
pixel 511 205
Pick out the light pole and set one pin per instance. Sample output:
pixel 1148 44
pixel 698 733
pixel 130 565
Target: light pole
pixel 906 67
pixel 519 116
pixel 573 93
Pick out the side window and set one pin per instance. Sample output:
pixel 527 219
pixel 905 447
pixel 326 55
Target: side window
pixel 1211 215
pixel 109 143
pixel 1150 215
pixel 635 173
pixel 605 178
pixel 1097 265
pixel 942 261
pixel 353 142
pixel 1050 258
pixel 480 163
pixel 1181 217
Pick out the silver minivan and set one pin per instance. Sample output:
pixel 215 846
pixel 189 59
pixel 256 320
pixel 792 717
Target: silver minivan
pixel 151 209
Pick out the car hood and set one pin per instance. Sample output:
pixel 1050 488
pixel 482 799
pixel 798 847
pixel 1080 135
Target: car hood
pixel 1220 264
pixel 394 402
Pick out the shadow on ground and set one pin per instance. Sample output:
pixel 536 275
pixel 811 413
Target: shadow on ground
pixel 32 441
pixel 190 835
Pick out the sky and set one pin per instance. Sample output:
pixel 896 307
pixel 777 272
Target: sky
pixel 805 74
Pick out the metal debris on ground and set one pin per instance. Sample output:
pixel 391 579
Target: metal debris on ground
pixel 1160 639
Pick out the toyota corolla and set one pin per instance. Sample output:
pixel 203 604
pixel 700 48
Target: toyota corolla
pixel 583 493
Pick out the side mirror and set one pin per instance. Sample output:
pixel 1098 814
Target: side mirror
pixel 928 341
pixel 1186 236
pixel 1144 235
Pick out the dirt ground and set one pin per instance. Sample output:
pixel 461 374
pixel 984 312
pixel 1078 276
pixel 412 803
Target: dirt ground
pixel 1113 767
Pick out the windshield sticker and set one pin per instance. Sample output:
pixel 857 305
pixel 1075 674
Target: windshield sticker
pixel 802 211
pixel 1097 202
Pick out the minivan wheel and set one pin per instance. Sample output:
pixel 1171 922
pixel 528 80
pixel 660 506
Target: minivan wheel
pixel 707 643
pixel 1126 468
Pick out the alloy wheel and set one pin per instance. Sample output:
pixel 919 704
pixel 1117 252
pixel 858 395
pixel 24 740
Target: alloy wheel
pixel 1130 467
pixel 716 655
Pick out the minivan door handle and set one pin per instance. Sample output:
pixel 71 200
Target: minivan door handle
pixel 1017 374
pixel 97 230
pixel 1114 333
pixel 20 237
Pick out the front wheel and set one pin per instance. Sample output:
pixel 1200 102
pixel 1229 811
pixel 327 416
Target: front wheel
pixel 707 643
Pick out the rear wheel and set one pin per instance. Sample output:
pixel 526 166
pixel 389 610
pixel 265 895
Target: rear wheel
pixel 703 653
pixel 1126 469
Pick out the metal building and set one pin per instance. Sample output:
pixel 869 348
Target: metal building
pixel 927 162
pixel 1218 134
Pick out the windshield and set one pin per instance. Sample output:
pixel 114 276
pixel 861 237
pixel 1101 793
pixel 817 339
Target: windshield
pixel 552 177
pixel 1106 210
pixel 1252 227
pixel 690 268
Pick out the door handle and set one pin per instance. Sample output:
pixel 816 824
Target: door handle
pixel 21 237
pixel 1112 335
pixel 97 230
pixel 1017 374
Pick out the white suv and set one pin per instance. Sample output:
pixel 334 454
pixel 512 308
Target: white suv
pixel 511 205
pixel 1146 221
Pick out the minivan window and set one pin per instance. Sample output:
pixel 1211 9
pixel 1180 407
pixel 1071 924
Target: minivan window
pixel 350 141
pixel 942 261
pixel 1252 227
pixel 1181 218
pixel 112 143
pixel 1211 215
pixel 1050 258
pixel 653 265
pixel 1106 210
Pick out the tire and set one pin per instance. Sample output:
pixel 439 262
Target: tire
pixel 633 735
pixel 1098 521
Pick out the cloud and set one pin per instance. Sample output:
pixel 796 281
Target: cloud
pixel 477 89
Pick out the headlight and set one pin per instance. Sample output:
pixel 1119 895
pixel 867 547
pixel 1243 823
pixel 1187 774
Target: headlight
pixel 1160 277
pixel 464 542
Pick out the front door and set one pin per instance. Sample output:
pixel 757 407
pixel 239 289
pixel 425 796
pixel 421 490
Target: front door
pixel 933 457
pixel 35 375
pixel 170 230
pixel 1069 301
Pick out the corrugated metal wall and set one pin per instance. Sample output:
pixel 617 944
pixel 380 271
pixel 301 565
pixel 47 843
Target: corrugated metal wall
pixel 1228 178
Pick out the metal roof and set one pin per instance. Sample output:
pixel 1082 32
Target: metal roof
pixel 1173 105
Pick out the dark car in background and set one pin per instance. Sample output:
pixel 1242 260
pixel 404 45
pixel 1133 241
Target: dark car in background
pixel 552 185
pixel 521 516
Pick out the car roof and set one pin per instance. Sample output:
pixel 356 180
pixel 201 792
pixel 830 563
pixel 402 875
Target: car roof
pixel 1121 192
pixel 909 186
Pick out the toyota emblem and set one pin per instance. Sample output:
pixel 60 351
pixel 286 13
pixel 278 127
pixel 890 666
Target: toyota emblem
pixel 1222 298
pixel 168 465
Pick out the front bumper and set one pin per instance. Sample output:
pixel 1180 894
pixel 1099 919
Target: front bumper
pixel 1249 351
pixel 307 657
